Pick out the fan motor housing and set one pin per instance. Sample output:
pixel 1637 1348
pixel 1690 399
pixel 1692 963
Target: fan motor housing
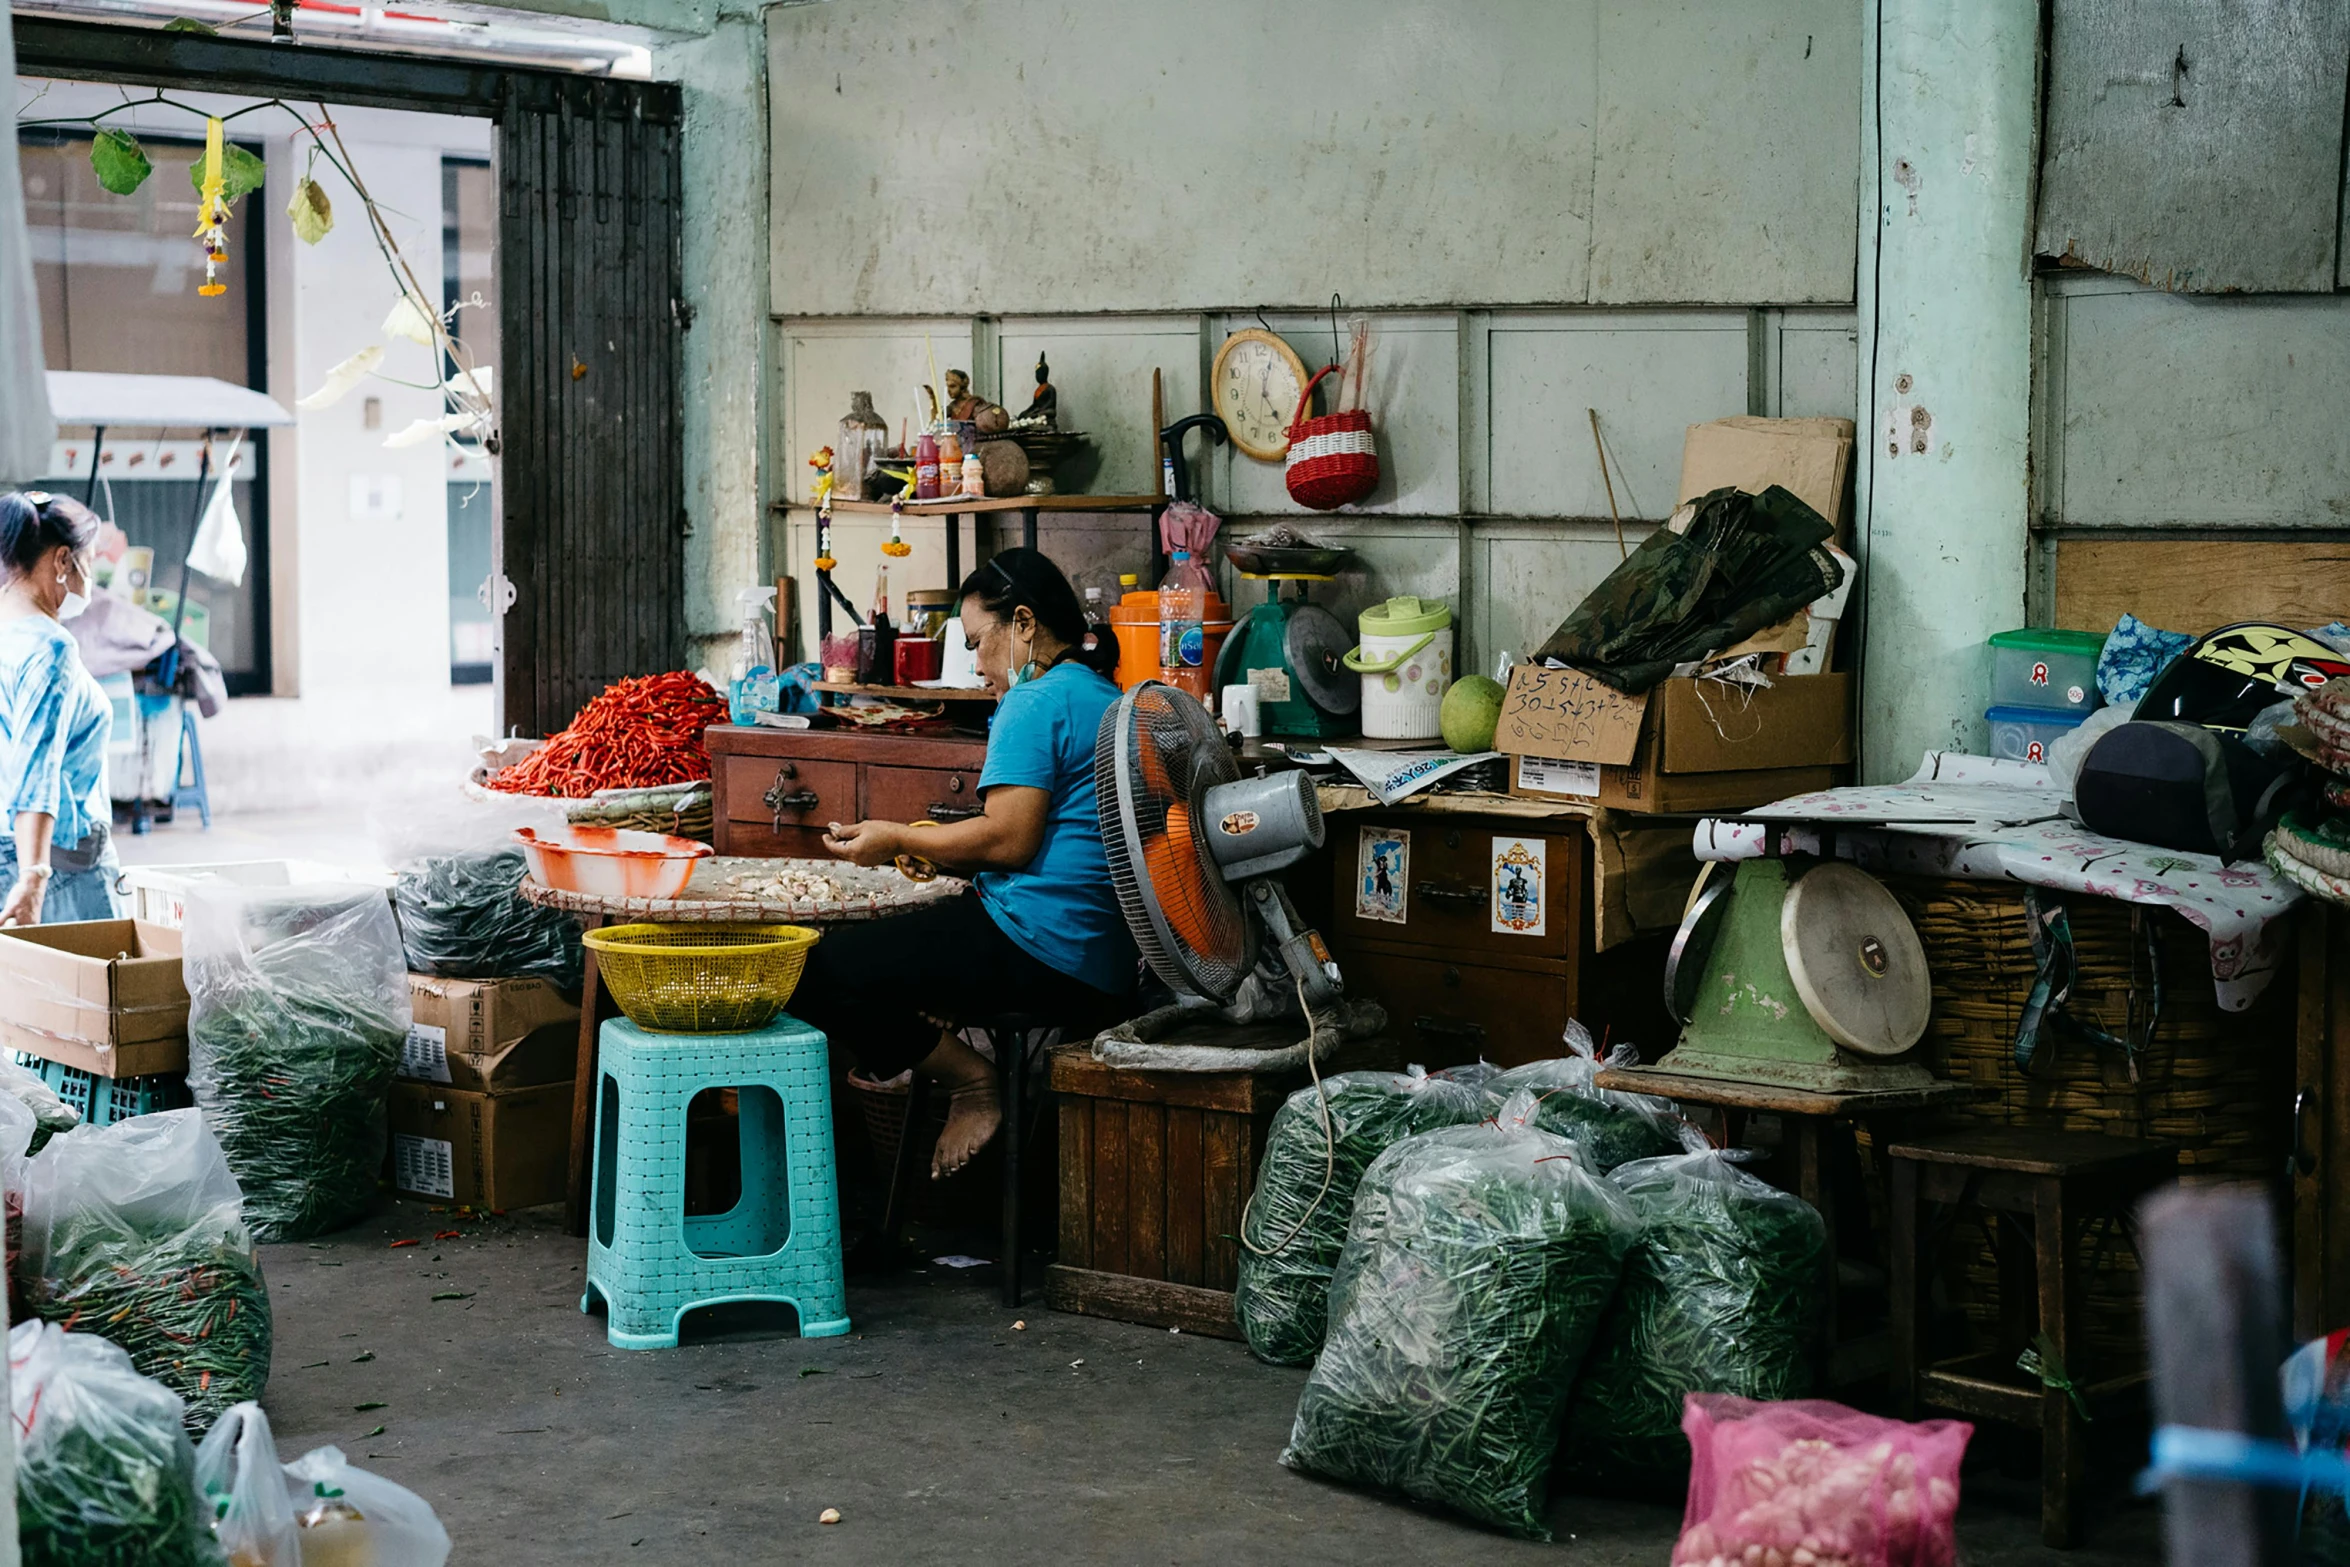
pixel 1260 825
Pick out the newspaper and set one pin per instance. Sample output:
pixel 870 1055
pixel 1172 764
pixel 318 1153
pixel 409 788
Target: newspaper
pixel 1394 776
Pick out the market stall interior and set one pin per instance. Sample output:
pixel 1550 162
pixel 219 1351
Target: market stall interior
pixel 1602 907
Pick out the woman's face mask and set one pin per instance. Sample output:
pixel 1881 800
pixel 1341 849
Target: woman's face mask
pixel 74 578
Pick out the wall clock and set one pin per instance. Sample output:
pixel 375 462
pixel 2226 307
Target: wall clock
pixel 1256 381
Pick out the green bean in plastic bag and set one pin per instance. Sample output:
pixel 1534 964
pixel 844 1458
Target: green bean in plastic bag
pixel 1721 1295
pixel 1612 1127
pixel 1475 1274
pixel 298 1009
pixel 1295 1225
pixel 105 1476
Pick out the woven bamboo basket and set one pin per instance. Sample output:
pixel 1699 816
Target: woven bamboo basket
pixel 2217 1084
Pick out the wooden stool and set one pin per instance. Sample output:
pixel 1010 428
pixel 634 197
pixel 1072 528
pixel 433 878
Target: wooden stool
pixel 2055 1181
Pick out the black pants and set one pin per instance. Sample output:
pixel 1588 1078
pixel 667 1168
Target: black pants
pixel 874 985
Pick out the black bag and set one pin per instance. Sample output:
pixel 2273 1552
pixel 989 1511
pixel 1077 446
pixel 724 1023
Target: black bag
pixel 2181 786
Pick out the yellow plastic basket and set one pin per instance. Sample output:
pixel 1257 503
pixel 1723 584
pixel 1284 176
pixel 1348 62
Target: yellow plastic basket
pixel 701 979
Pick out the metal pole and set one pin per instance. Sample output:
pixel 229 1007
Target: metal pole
pixel 90 490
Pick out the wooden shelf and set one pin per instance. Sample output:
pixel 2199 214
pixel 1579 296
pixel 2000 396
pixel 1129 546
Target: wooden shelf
pixel 906 693
pixel 966 506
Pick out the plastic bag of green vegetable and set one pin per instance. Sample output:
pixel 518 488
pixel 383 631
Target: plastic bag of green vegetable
pixel 104 1473
pixel 135 1232
pixel 457 878
pixel 1321 1141
pixel 1721 1295
pixel 298 1008
pixel 1613 1127
pixel 1475 1273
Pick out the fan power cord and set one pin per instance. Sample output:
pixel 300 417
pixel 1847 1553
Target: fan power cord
pixel 1329 1142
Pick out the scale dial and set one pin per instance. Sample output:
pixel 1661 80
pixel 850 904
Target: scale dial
pixel 1257 379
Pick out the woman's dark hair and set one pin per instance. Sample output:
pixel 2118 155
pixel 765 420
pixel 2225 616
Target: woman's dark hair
pixel 33 523
pixel 1017 577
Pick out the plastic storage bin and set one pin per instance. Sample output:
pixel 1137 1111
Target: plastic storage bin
pixel 2044 668
pixel 103 1101
pixel 2024 734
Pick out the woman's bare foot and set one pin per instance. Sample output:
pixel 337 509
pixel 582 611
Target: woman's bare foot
pixel 974 1108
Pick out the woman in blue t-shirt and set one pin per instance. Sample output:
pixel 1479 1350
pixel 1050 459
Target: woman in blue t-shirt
pixel 56 855
pixel 1040 931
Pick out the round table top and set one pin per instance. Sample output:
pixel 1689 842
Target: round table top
pixel 715 894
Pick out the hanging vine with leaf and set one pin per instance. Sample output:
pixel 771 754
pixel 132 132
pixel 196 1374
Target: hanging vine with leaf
pixel 228 173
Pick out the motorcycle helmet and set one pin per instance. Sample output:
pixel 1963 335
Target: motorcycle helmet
pixel 2224 678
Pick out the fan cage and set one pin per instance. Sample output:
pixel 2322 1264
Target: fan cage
pixel 1156 754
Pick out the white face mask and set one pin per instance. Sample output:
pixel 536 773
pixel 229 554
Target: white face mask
pixel 74 604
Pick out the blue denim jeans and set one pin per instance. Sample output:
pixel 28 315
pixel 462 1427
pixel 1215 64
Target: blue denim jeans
pixel 73 895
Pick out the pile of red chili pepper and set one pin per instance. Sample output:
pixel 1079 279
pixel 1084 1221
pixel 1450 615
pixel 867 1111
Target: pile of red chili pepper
pixel 640 734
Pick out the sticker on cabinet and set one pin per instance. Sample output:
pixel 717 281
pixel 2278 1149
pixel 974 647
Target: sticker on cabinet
pixel 1518 908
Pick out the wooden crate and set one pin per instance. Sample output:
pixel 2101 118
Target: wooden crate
pixel 1155 1170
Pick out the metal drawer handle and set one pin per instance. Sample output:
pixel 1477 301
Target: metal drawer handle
pixel 1443 894
pixel 779 802
pixel 1444 1028
pixel 940 811
pixel 2304 1157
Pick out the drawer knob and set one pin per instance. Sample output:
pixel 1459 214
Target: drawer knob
pixel 955 783
pixel 1452 977
pixel 777 801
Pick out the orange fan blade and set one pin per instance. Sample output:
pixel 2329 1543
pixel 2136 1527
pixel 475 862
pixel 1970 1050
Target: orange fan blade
pixel 1181 882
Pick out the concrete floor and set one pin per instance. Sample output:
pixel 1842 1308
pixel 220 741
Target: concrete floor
pixel 939 1432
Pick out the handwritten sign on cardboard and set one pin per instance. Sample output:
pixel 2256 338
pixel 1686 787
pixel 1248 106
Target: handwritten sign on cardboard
pixel 1566 715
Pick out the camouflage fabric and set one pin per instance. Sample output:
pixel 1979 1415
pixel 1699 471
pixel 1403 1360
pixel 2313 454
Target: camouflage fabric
pixel 1746 563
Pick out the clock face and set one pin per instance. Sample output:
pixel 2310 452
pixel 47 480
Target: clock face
pixel 1257 381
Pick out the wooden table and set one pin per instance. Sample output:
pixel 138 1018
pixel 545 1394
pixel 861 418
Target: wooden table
pixel 1808 1115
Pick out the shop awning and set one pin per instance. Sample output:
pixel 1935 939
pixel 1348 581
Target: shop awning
pixel 159 402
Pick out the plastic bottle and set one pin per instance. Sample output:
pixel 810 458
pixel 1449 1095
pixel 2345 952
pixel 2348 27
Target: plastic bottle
pixel 1183 605
pixel 926 467
pixel 974 475
pixel 752 688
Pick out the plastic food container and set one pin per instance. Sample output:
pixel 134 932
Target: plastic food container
pixel 1134 620
pixel 2024 734
pixel 2045 668
pixel 1405 659
pixel 610 862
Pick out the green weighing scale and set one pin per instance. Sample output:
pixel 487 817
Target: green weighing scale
pixel 1290 649
pixel 1798 973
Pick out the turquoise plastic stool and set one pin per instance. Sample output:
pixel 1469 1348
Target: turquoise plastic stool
pixel 648 1260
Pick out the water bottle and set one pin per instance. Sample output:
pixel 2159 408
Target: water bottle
pixel 1183 606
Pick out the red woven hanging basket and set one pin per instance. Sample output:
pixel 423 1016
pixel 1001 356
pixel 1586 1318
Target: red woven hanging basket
pixel 1332 461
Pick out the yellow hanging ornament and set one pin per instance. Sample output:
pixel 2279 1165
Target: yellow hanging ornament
pixel 212 211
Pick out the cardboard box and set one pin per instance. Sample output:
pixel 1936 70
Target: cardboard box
pixel 1685 746
pixel 1811 457
pixel 488 1150
pixel 490 1036
pixel 102 995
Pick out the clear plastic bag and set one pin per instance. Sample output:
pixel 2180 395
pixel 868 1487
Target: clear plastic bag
pixel 346 1517
pixel 105 1476
pixel 1295 1224
pixel 298 1008
pixel 1721 1295
pixel 1852 1490
pixel 17 1129
pixel 457 878
pixel 238 1474
pixel 1612 1127
pixel 136 1232
pixel 51 1114
pixel 1476 1270
pixel 2317 1408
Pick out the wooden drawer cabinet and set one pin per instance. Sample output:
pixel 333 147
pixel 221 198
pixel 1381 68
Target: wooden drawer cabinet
pixel 912 794
pixel 1445 1009
pixel 1447 882
pixel 777 788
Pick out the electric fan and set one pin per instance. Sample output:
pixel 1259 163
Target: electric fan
pixel 1193 847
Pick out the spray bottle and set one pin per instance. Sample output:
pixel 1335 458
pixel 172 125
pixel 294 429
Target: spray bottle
pixel 752 688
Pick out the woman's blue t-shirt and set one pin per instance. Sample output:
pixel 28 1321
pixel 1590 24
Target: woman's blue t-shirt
pixel 1060 907
pixel 54 726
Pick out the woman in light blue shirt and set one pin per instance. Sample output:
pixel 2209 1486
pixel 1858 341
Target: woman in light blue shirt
pixel 1040 931
pixel 56 848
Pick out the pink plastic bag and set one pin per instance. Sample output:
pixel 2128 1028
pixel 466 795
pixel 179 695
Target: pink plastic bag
pixel 1808 1483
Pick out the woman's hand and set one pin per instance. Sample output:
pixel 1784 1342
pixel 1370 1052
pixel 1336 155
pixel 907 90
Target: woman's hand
pixel 24 901
pixel 866 843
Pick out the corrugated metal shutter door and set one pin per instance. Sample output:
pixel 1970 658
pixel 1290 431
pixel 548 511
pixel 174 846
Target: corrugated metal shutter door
pixel 593 494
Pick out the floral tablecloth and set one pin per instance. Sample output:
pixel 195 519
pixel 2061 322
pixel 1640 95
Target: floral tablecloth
pixel 1994 820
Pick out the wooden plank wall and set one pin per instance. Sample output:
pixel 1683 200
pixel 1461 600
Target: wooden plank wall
pixel 2193 585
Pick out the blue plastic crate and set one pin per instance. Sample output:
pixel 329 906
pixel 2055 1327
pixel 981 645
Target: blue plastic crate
pixel 106 1100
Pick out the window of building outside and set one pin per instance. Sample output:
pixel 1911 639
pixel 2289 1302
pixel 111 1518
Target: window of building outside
pixel 469 232
pixel 117 279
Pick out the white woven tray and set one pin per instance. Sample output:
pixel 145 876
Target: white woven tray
pixel 867 894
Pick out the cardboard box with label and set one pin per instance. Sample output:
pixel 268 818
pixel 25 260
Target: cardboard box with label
pixel 500 1151
pixel 490 1036
pixel 1687 745
pixel 102 995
